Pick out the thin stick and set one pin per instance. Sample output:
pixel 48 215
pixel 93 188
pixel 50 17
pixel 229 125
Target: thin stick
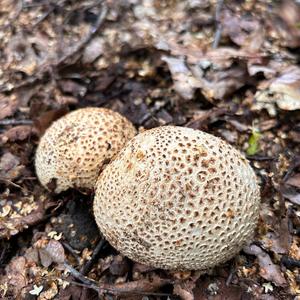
pixel 91 283
pixel 219 30
pixel 71 250
pixel 232 271
pixel 6 122
pixel 116 291
pixel 44 16
pixel 89 264
pixel 260 158
pixel 11 183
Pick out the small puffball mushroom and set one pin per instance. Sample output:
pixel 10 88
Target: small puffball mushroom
pixel 177 198
pixel 75 148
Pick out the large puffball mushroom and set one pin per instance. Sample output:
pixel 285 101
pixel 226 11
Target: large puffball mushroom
pixel 75 148
pixel 177 198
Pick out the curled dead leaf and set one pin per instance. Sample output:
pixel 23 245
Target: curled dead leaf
pixel 53 252
pixel 268 270
pixel 284 91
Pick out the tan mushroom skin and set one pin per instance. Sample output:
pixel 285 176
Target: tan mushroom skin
pixel 177 198
pixel 75 148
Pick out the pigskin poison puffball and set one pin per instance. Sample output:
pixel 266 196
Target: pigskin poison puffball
pixel 75 148
pixel 177 198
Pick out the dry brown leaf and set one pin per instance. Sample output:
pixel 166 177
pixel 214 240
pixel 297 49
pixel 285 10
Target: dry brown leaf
pixel 184 81
pixel 93 50
pixel 17 133
pixel 215 81
pixel 283 91
pixel 293 196
pixel 294 180
pixel 268 270
pixel 218 84
pixel 52 253
pixel 289 11
pixel 238 28
pixel 185 290
pixel 26 52
pixel 8 106
pixel 140 268
pixel 16 274
pixel 119 266
pixel 10 167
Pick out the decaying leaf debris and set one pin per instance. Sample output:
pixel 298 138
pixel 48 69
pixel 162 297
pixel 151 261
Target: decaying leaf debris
pixel 230 68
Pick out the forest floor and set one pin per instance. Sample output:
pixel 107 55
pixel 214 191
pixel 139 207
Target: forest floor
pixel 230 68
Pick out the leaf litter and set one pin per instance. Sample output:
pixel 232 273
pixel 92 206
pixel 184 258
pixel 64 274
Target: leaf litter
pixel 230 68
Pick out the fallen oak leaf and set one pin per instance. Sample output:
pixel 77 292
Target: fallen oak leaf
pixel 288 27
pixel 268 270
pixel 119 266
pixel 239 28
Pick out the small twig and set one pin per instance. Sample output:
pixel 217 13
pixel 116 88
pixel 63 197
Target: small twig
pixel 232 271
pixel 30 178
pixel 89 264
pixel 44 16
pixel 219 29
pixel 6 122
pixel 116 291
pixel 294 164
pixel 91 283
pixel 290 262
pixel 71 250
pixel 3 252
pixel 260 158
pixel 7 181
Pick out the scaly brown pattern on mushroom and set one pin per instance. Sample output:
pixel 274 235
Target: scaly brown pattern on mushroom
pixel 177 198
pixel 74 149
